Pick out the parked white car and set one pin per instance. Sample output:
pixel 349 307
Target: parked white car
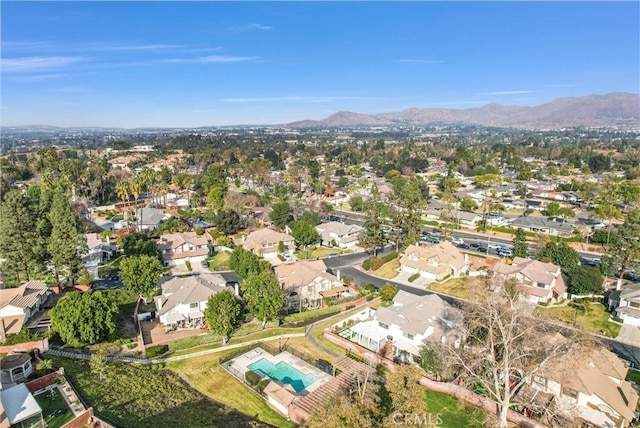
pixel 457 240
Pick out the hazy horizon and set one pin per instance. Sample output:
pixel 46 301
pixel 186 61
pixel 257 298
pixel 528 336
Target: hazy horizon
pixel 183 65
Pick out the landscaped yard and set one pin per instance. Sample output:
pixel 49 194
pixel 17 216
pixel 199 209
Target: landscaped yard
pixel 389 270
pixel 596 320
pixel 205 375
pixel 448 412
pixel 454 287
pixel 49 402
pixel 136 397
pixel 220 261
pixel 319 252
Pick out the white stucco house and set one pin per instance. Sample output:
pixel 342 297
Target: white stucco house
pixel 178 248
pixel 629 307
pixel 305 283
pixel 434 261
pixel 539 282
pixel 184 299
pixel 18 305
pixel 407 324
pixel 344 235
pixel 589 386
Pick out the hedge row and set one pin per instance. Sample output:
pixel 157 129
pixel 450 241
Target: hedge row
pixel 375 263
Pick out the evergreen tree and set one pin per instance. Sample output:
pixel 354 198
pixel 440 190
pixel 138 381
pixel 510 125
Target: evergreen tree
pixel 141 275
pixel 263 296
pixel 67 243
pixel 18 237
pixel 222 313
pixel 373 236
pixel 520 245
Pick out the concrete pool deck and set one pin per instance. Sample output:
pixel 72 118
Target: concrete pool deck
pixel 241 365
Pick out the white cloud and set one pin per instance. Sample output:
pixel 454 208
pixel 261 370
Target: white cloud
pixel 527 91
pixel 253 26
pixel 37 77
pixel 37 63
pixel 421 61
pixel 147 47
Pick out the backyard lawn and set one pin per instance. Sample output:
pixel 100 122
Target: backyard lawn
pixel 49 402
pixel 448 412
pixel 389 270
pixel 135 397
pixel 596 320
pixel 220 261
pixel 205 375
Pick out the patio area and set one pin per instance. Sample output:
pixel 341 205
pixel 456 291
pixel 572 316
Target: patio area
pixel 154 332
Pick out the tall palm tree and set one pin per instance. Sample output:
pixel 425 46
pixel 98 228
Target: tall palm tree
pixel 136 186
pixel 123 192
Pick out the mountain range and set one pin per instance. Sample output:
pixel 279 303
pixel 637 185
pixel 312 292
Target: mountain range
pixel 614 109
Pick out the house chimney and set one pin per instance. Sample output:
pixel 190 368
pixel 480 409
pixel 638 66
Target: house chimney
pixel 338 274
pixel 236 287
pixel 108 240
pixel 619 283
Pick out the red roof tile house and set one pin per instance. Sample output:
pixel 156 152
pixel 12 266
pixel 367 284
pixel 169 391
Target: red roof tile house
pixel 539 281
pixel 435 262
pixel 177 248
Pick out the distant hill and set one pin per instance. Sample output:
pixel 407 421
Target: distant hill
pixel 615 109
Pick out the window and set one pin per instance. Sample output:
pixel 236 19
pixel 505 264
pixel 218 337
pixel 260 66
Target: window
pixel 407 335
pixel 193 305
pixel 569 392
pixel 634 304
pixel 383 325
pixel 539 380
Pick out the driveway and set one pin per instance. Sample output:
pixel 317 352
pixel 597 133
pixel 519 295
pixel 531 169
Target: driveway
pixel 629 335
pixel 421 282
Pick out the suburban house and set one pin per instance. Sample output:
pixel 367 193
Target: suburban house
pixel 339 234
pixel 407 324
pixel 18 305
pixel 99 252
pixel 468 219
pixel 434 261
pixel 178 248
pixel 184 299
pixel 539 282
pixel 542 225
pixel 305 283
pixel 18 408
pixel 629 305
pixel 590 387
pixel 150 218
pixel 265 242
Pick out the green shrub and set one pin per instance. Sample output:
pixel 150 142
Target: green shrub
pixel 188 265
pixel 154 351
pixel 390 257
pixel 252 377
pixel 414 277
pixel 263 384
pixel 370 297
pixel 370 288
pixel 349 307
pixel 199 231
pixel 366 265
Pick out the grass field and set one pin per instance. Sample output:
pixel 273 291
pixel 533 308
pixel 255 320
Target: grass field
pixel 389 270
pixel 596 320
pixel 454 287
pixel 450 412
pixel 205 375
pixel 136 397
pixel 220 261
pixel 319 252
pixel 49 406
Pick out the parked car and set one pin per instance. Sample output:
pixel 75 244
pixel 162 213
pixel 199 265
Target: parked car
pixel 474 245
pixel 456 240
pixel 204 264
pixel 482 249
pixel 463 246
pixel 505 252
pixel 332 255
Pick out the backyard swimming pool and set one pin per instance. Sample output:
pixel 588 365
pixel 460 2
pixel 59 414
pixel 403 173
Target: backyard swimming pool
pixel 283 372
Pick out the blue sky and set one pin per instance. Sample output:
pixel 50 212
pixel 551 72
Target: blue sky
pixel 183 64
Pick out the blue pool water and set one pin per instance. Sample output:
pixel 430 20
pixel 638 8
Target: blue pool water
pixel 283 372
